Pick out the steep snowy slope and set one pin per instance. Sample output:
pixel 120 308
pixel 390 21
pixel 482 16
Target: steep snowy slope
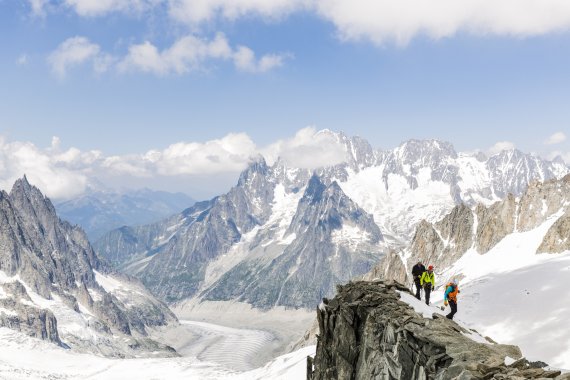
pixel 528 306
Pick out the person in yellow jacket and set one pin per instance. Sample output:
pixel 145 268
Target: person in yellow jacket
pixel 427 281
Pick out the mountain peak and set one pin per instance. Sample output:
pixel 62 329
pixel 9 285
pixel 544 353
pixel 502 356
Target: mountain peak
pixel 315 190
pixel 256 166
pixel 22 185
pixel 416 150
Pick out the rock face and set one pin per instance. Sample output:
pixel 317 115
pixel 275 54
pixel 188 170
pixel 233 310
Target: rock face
pixel 51 277
pixel 24 316
pixel 366 332
pixel 557 239
pixel 314 263
pixel 482 228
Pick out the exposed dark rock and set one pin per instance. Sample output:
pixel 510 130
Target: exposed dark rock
pixel 367 332
pixel 25 317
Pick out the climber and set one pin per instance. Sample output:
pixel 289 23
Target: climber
pixel 428 282
pixel 417 272
pixel 450 297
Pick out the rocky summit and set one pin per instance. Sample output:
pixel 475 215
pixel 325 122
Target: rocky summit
pixel 368 332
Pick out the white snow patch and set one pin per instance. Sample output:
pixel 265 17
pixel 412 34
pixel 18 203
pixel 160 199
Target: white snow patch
pixel 419 307
pixel 108 283
pixel 509 360
pixel 95 295
pixel 286 240
pixel 8 312
pixel 349 235
pixel 398 208
pixel 5 279
pixel 237 253
pixel 475 177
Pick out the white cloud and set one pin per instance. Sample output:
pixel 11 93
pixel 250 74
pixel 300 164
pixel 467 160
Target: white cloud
pixel 92 8
pixel 382 21
pixel 197 11
pixel 42 169
pixel 379 21
pixel 38 7
pixel 499 147
pixel 72 52
pixel 188 53
pixel 64 173
pixel 557 153
pixel 22 60
pixel 191 53
pixel 229 154
pixel 244 60
pixel 307 149
pixel 556 138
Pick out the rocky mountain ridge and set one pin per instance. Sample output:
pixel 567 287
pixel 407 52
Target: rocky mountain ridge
pixel 370 331
pixel 53 285
pixel 481 228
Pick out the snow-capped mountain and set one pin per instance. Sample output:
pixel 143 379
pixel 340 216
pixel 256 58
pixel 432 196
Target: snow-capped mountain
pixel 99 212
pixel 329 241
pixel 263 243
pixel 286 236
pixel 53 286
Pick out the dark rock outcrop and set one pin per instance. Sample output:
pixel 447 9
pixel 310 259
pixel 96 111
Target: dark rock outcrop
pixel 23 316
pixel 367 332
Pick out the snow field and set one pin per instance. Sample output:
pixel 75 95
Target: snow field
pixel 516 296
pixel 231 348
pixel 22 357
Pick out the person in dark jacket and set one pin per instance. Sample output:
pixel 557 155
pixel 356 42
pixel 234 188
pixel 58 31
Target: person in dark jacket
pixel 417 272
pixel 428 282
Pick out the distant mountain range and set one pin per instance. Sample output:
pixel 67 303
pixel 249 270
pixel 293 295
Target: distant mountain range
pixel 286 236
pixel 99 212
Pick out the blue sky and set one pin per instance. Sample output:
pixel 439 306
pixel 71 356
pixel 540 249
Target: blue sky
pixel 84 71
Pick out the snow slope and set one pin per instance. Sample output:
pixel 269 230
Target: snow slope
pixel 22 357
pixel 529 307
pixel 516 296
